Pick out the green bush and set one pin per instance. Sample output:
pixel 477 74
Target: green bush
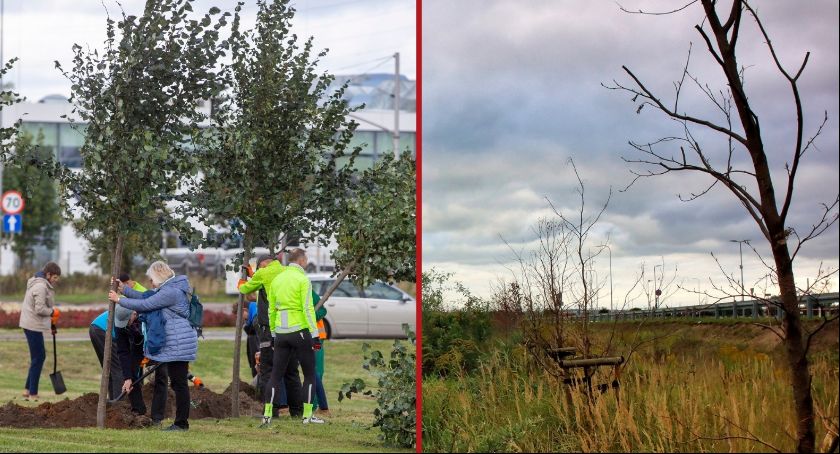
pixel 396 396
pixel 453 334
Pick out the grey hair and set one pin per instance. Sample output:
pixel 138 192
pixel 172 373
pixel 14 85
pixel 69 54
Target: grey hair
pixel 159 272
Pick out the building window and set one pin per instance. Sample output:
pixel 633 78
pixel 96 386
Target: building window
pixel 61 139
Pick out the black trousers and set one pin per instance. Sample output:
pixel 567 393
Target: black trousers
pixel 294 347
pixel 176 373
pixel 291 377
pixel 115 380
pixel 252 346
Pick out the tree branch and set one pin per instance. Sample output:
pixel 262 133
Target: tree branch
pixel 647 94
pixel 657 14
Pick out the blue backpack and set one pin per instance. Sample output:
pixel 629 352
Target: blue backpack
pixel 196 314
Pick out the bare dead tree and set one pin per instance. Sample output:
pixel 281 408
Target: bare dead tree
pixel 580 227
pixel 541 280
pixel 751 184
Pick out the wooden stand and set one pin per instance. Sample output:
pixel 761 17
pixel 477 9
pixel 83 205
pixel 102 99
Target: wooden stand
pixel 588 365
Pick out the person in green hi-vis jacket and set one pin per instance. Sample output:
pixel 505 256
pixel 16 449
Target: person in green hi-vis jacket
pixel 296 332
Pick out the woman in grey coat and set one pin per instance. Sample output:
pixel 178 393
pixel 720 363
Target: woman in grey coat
pixel 37 314
pixel 181 342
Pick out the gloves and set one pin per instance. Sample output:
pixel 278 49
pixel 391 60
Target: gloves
pixel 55 314
pixel 241 283
pixel 316 344
pixel 53 328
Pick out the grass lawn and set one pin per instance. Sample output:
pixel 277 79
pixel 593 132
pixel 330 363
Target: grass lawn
pixel 348 428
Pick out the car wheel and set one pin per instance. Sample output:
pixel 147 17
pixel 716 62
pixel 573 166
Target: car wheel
pixel 328 329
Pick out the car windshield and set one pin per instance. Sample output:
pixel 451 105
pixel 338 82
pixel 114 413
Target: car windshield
pixel 379 290
pixel 346 289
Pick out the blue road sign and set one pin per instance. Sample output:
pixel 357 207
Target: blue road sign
pixel 12 223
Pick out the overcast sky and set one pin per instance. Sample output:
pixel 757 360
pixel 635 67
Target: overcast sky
pixel 362 35
pixel 512 90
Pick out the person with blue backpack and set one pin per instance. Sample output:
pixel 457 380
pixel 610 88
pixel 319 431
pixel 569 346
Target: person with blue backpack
pixel 122 316
pixel 171 302
pixel 97 339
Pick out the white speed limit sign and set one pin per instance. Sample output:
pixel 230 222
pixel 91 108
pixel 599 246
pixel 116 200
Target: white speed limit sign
pixel 12 202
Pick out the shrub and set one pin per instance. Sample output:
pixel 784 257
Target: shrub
pixel 452 333
pixel 396 396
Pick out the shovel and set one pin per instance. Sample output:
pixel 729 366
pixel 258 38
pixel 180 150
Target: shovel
pixel 55 377
pixel 148 372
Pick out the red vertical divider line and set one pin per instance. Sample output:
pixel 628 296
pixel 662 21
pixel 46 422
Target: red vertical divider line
pixel 419 233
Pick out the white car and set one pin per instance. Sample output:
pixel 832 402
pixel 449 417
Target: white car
pixel 378 311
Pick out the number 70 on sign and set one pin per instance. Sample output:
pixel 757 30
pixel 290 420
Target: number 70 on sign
pixel 12 202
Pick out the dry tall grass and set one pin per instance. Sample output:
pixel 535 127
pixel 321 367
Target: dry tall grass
pixel 694 393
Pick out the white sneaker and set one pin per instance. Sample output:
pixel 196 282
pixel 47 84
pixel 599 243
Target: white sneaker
pixel 313 420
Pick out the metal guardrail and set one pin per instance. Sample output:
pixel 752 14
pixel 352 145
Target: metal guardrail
pixel 810 306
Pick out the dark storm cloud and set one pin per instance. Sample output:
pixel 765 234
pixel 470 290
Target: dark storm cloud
pixel 512 90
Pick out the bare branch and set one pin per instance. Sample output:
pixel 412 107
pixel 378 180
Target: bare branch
pixel 826 221
pixel 649 95
pixel 772 330
pixel 659 13
pixel 709 45
pixel 811 335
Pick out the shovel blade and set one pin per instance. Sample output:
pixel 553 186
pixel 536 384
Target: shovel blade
pixel 58 382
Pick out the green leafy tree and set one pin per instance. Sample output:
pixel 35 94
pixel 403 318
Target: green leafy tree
pixel 275 160
pixel 14 150
pixel 138 99
pixel 143 244
pixel 7 98
pixel 376 234
pixel 42 218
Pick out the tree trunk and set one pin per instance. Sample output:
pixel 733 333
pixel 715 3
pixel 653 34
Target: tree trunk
pixel 106 360
pixel 777 236
pixel 795 348
pixel 335 284
pixel 284 259
pixel 234 397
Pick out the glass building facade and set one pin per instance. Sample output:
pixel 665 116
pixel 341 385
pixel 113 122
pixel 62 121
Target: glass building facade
pixel 61 138
pixel 65 140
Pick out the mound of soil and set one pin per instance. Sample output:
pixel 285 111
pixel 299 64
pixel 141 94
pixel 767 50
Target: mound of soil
pixel 247 388
pixel 208 404
pixel 81 412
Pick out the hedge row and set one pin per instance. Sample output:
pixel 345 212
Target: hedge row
pixel 82 318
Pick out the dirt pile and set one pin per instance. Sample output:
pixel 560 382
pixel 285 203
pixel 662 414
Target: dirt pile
pixel 81 412
pixel 247 388
pixel 205 403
